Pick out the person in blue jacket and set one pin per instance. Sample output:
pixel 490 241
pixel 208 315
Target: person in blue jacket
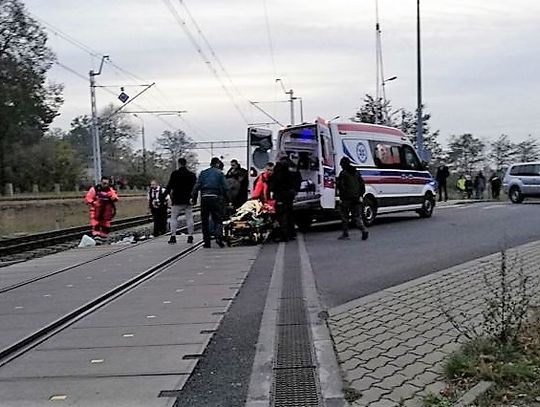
pixel 212 186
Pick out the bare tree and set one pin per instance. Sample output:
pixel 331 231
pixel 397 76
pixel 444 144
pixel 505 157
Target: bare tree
pixel 527 150
pixel 465 152
pixel 177 144
pixel 502 152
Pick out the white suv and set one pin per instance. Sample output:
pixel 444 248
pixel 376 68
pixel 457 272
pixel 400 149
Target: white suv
pixel 522 180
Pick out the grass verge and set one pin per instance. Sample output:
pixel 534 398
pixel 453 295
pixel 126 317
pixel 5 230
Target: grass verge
pixel 514 368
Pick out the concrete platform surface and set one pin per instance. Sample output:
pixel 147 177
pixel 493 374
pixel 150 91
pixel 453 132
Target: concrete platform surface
pixel 131 349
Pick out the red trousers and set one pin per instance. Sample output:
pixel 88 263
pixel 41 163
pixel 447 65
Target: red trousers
pixel 100 219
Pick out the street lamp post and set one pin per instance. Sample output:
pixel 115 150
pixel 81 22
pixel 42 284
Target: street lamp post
pixel 385 109
pixel 143 143
pixel 419 119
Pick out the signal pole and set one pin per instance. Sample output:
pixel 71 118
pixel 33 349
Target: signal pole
pixel 96 148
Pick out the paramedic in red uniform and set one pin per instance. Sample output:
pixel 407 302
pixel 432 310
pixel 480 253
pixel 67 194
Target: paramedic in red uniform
pixel 261 190
pixel 101 199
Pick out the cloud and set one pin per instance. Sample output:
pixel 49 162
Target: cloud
pixel 479 59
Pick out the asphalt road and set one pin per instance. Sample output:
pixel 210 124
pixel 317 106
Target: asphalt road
pixel 404 247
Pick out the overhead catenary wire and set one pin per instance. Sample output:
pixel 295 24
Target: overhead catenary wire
pixel 211 49
pixel 269 38
pixel 183 25
pixel 96 54
pixel 220 64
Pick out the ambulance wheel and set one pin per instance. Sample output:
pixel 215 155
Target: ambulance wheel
pixel 369 211
pixel 303 222
pixel 427 206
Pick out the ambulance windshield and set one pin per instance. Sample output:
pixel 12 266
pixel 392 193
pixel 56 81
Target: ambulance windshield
pixel 304 134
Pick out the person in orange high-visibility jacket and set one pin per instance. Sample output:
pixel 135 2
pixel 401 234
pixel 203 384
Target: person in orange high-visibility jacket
pixel 101 199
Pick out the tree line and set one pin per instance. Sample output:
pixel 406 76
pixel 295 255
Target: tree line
pixel 31 153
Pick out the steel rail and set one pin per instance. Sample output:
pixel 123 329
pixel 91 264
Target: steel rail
pixel 27 343
pixel 41 240
pixel 73 266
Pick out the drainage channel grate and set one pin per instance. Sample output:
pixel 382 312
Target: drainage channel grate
pixel 295 381
pixel 296 388
pixel 292 312
pixel 294 348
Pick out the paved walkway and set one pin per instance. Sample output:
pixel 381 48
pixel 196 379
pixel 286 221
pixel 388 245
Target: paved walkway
pixel 391 345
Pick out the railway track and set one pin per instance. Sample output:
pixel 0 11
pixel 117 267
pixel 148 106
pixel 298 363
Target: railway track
pixel 48 330
pixel 27 243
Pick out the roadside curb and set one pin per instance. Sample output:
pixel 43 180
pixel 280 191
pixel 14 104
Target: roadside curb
pixel 474 393
pixel 260 384
pixel 329 372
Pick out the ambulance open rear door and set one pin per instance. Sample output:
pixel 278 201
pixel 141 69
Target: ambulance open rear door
pixel 259 152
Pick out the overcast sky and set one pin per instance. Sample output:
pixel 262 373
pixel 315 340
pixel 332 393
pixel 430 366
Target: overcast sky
pixel 481 60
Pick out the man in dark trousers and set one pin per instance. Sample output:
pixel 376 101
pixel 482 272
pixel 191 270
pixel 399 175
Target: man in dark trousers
pixel 351 188
pixel 442 175
pixel 181 184
pixel 496 183
pixel 284 184
pixel 157 203
pixel 213 188
pixel 237 180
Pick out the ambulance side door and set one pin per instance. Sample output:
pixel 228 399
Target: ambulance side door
pixel 259 152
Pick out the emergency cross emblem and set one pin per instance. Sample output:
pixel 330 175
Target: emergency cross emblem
pixel 361 152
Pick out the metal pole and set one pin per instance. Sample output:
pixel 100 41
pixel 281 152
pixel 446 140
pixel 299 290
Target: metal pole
pixel 420 124
pixel 143 151
pixel 95 127
pixel 96 156
pixel 143 143
pixel 291 100
pixel 301 110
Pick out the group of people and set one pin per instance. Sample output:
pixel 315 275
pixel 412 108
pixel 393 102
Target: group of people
pixel 183 190
pixel 277 186
pixel 477 186
pixel 467 185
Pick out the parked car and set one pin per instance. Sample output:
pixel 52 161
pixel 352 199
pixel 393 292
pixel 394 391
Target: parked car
pixel 522 180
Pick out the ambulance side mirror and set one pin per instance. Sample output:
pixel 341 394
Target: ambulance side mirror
pixel 425 165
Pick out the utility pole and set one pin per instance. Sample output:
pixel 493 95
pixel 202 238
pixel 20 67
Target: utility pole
pixel 96 148
pixel 291 98
pixel 419 119
pixel 143 144
pixel 291 101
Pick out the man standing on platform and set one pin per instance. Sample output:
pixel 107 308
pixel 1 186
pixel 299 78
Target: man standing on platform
pixel 213 188
pixel 157 203
pixel 179 188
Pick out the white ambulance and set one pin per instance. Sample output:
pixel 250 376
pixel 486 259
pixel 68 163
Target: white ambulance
pixel 396 179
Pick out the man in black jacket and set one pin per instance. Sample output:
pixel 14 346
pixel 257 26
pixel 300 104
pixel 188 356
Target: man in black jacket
pixel 351 188
pixel 181 184
pixel 442 174
pixel 284 185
